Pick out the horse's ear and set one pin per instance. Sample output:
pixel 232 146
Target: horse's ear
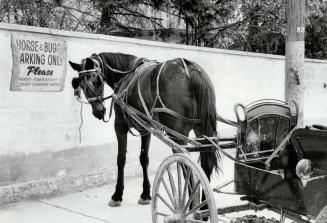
pixel 89 64
pixel 75 66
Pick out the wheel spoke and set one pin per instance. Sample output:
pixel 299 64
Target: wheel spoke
pixel 194 192
pixel 179 181
pixel 186 183
pixel 169 193
pixel 166 203
pixel 172 185
pixel 184 169
pixel 197 207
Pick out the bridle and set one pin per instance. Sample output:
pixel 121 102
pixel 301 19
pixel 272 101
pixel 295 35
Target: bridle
pixel 100 98
pixel 98 61
pixel 100 74
pixel 95 71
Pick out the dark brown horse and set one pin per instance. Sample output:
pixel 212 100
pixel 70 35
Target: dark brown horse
pixel 177 93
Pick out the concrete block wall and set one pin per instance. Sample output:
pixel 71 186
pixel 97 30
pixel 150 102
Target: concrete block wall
pixel 39 130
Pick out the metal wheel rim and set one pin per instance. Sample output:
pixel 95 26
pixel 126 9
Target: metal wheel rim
pixel 177 202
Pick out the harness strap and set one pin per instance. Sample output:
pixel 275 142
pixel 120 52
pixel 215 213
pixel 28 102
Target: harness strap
pixel 141 97
pixel 118 71
pixel 175 114
pixel 157 90
pixel 158 98
pixel 185 67
pixel 164 109
pixel 137 64
pixel 123 93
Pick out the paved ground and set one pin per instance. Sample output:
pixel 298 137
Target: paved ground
pixel 88 206
pixel 91 206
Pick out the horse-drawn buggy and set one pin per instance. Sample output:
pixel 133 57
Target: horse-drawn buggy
pixel 277 165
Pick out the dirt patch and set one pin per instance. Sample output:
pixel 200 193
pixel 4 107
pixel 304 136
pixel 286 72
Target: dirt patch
pixel 254 219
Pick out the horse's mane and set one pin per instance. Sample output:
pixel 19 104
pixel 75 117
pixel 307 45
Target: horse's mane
pixel 118 61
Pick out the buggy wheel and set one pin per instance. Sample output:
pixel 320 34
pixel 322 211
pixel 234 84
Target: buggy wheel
pixel 322 216
pixel 182 193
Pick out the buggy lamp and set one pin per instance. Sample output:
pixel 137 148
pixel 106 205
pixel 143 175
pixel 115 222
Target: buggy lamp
pixel 240 112
pixel 293 108
pixel 304 169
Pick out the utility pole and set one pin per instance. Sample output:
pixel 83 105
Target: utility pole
pixel 294 55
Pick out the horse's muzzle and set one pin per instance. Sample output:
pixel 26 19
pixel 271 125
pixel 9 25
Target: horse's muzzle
pixel 98 110
pixel 99 114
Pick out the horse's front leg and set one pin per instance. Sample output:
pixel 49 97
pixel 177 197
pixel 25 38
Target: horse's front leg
pixel 121 129
pixel 144 160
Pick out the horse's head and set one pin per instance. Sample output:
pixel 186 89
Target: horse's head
pixel 91 80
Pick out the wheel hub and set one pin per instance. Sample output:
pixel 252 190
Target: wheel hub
pixel 176 218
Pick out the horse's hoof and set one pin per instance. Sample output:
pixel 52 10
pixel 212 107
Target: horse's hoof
pixel 113 203
pixel 144 201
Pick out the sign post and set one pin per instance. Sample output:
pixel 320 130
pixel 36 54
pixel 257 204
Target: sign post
pixel 39 63
pixel 294 55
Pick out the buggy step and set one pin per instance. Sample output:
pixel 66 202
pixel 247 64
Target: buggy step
pixel 224 210
pixel 234 208
pixel 254 203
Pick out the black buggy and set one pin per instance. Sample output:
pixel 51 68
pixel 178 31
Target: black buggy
pixel 290 163
pixel 277 166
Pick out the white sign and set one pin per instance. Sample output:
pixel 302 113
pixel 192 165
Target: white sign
pixel 39 63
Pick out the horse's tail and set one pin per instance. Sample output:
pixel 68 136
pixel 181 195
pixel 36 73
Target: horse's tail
pixel 204 94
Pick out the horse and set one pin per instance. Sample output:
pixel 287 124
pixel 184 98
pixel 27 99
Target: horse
pixel 176 93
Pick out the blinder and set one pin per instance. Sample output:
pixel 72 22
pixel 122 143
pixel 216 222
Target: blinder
pixel 75 82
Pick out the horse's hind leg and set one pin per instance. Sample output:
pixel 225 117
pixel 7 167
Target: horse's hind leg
pixel 144 160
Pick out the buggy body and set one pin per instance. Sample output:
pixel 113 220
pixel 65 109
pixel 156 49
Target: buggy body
pixel 288 174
